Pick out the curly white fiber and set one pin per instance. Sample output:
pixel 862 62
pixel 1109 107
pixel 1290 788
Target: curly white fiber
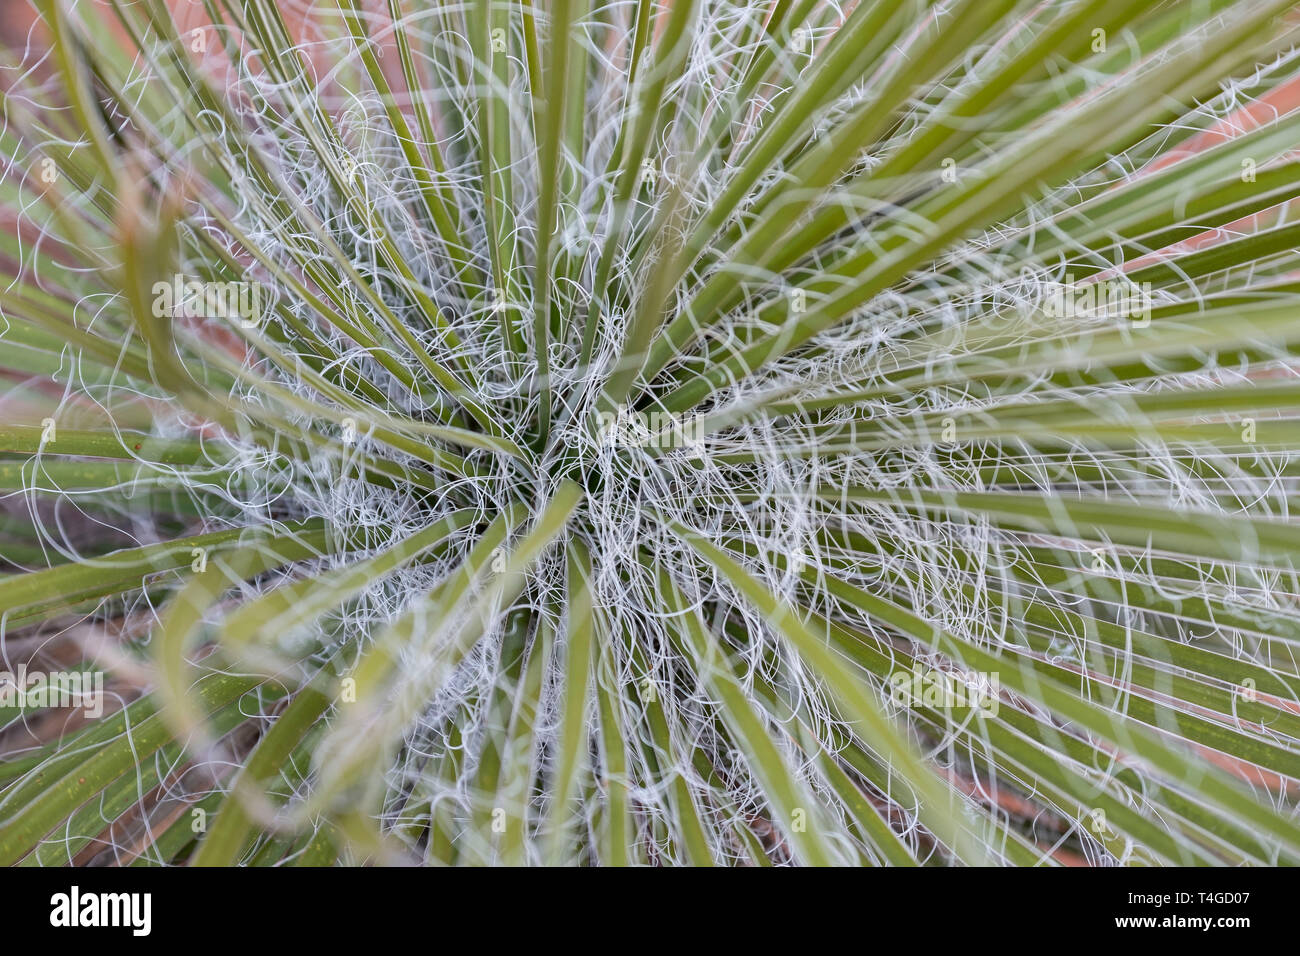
pixel 961 381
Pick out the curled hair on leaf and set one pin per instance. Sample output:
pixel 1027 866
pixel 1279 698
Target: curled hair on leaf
pixel 652 433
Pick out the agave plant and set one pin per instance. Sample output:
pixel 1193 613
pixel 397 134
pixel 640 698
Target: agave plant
pixel 650 432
